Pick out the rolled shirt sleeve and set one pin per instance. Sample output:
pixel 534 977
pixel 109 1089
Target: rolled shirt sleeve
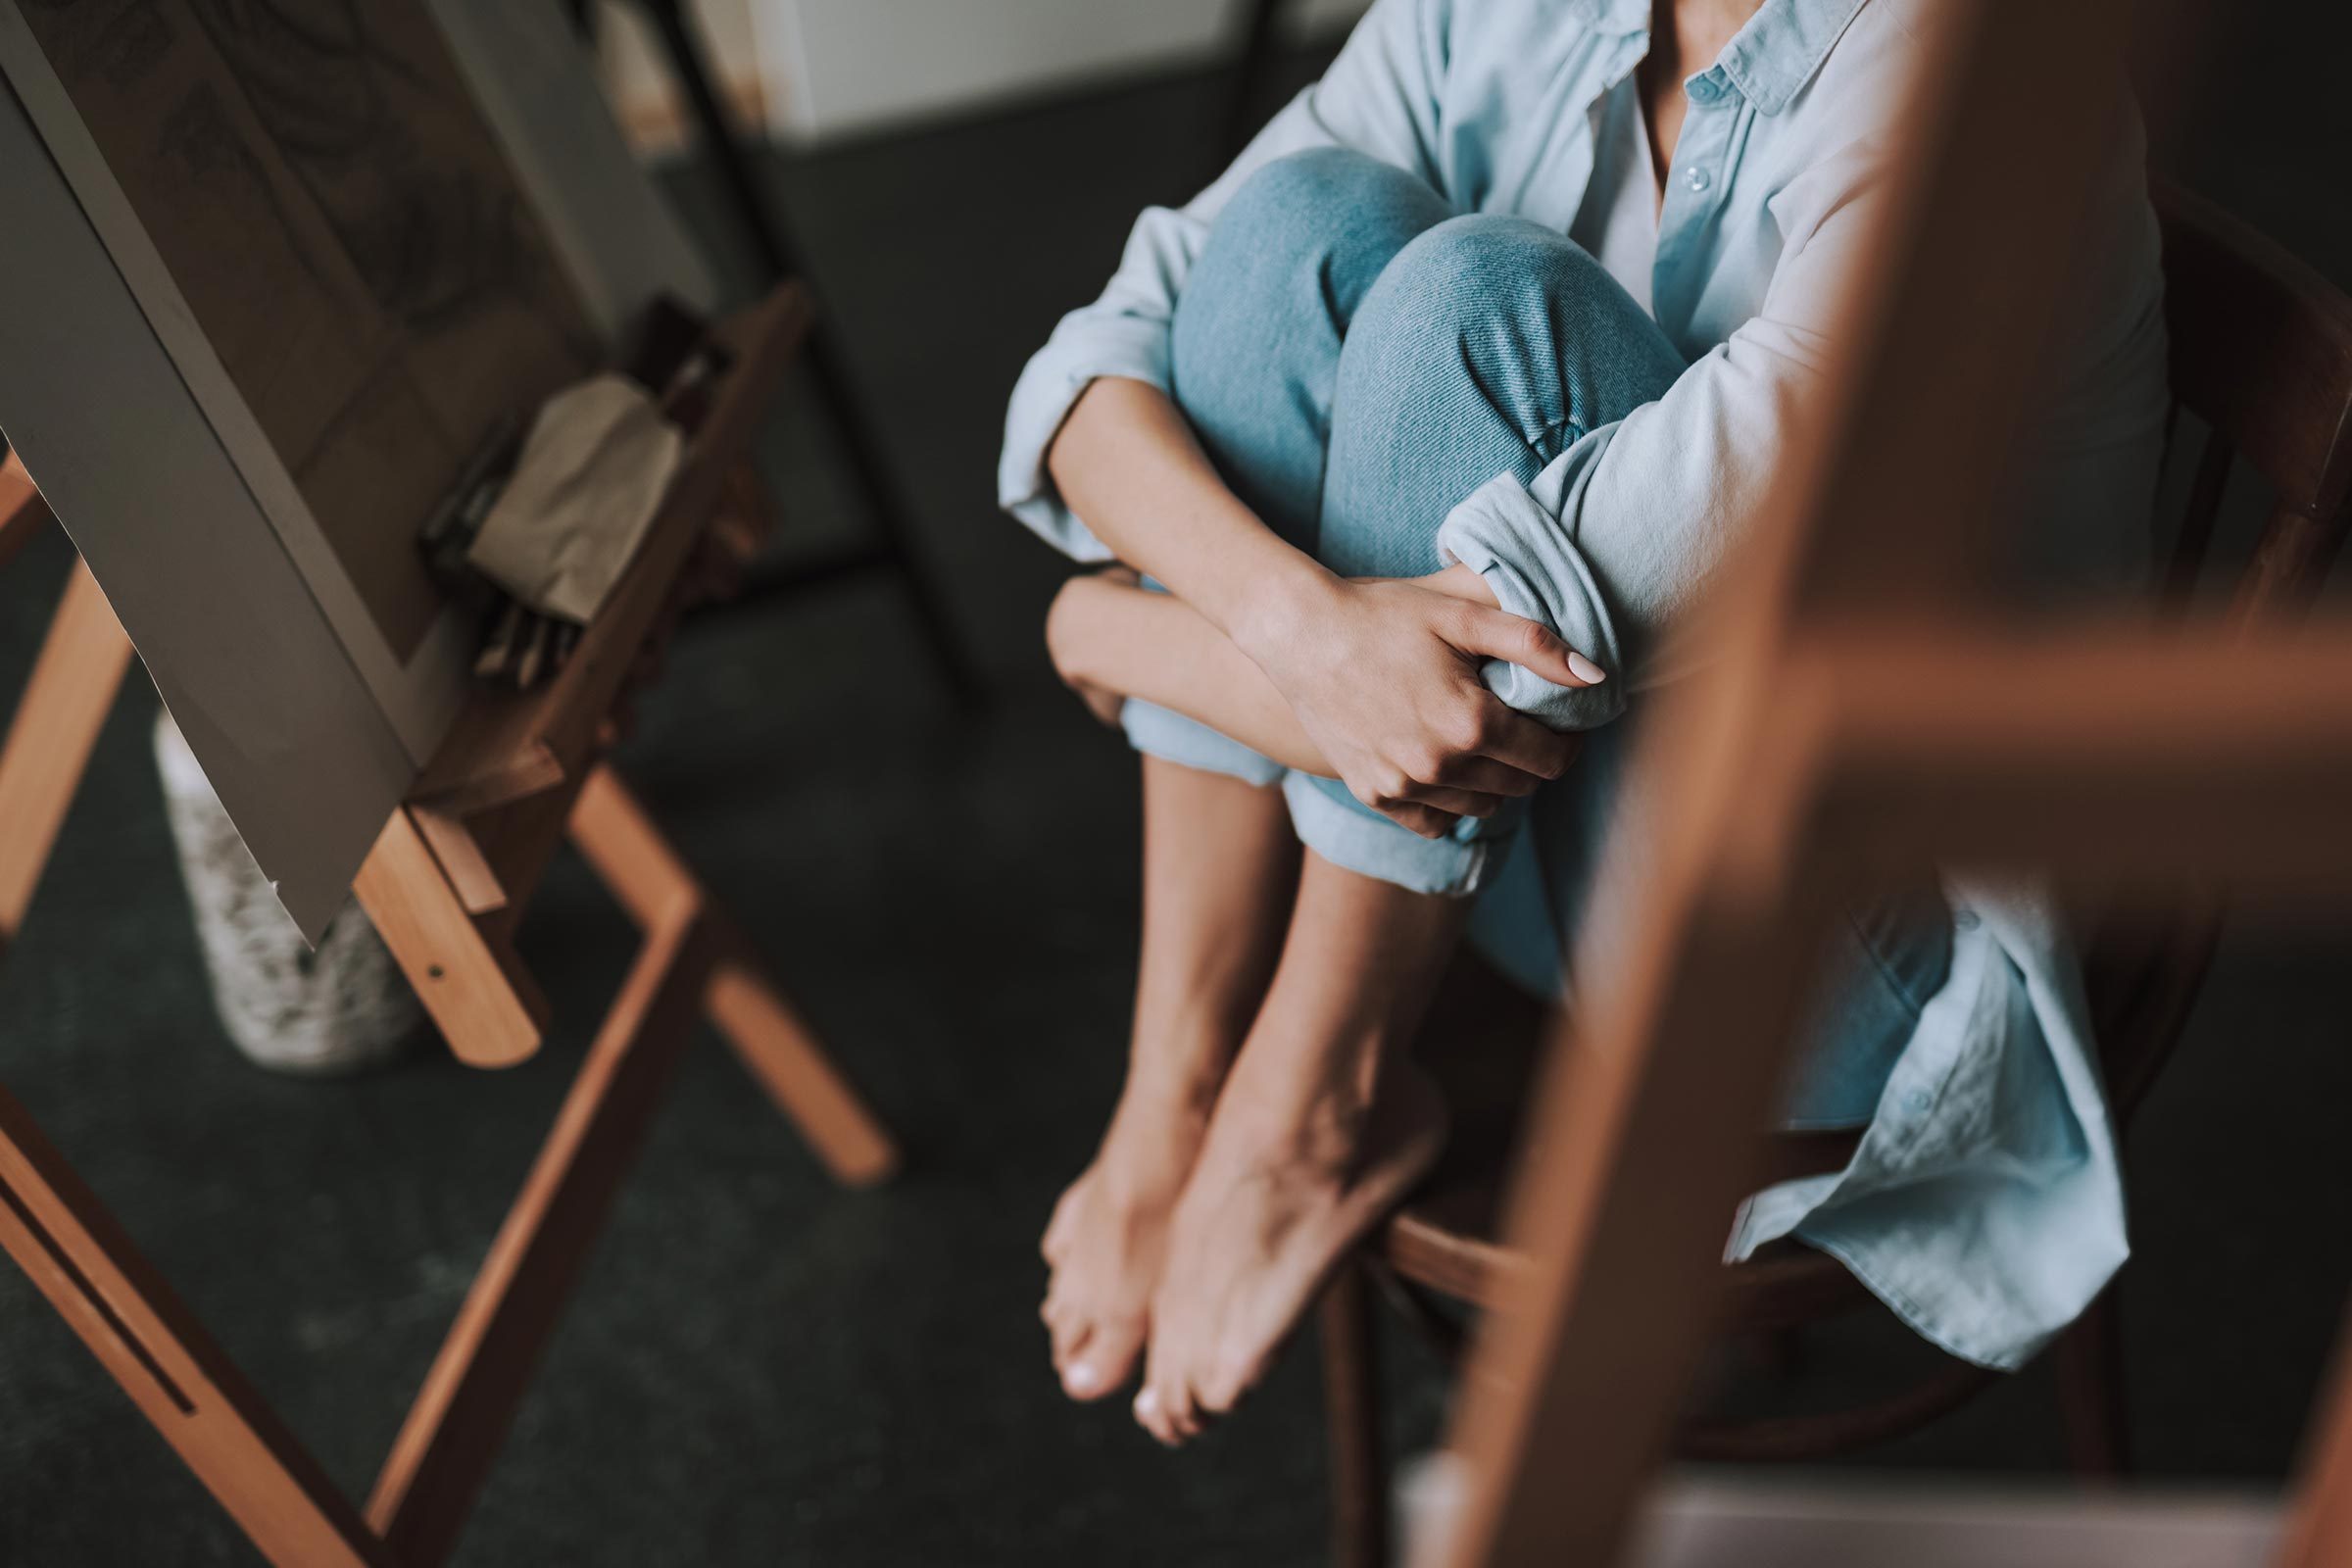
pixel 1620 533
pixel 1380 97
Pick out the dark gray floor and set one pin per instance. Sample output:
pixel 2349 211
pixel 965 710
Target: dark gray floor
pixel 759 1369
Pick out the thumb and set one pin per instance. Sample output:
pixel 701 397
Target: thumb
pixel 1530 643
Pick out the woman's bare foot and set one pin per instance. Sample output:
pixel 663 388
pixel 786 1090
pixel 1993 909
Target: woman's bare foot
pixel 1284 1186
pixel 1110 1233
pixel 1220 865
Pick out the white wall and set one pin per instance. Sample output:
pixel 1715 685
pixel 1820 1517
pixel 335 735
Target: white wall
pixel 856 65
pixel 815 68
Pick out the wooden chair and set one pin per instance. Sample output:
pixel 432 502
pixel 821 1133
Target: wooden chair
pixel 2262 353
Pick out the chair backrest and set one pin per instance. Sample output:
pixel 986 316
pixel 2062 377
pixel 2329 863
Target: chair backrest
pixel 2262 353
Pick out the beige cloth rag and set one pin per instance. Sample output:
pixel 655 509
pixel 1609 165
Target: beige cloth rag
pixel 592 474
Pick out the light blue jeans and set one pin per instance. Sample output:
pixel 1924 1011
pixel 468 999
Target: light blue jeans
pixel 1355 358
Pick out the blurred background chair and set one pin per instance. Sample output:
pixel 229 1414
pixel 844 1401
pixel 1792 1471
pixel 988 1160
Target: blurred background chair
pixel 2262 355
pixel 1254 57
pixel 760 222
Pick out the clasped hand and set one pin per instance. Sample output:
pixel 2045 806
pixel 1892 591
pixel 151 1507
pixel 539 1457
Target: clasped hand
pixel 1384 675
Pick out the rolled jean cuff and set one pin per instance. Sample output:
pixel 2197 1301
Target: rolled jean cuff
pixel 1349 835
pixel 1165 733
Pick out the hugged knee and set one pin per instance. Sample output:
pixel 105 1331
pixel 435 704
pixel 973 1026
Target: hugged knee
pixel 1296 229
pixel 1478 274
pixel 1309 196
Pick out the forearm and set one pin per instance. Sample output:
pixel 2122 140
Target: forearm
pixel 1127 463
pixel 1156 647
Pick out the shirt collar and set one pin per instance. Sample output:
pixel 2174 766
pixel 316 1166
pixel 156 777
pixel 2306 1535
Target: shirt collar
pixel 1772 58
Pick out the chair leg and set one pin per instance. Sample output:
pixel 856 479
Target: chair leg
pixel 870 470
pixel 2089 1361
pixel 1253 59
pixel 891 517
pixel 1360 1472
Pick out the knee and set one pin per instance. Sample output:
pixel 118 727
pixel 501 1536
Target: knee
pixel 1500 318
pixel 1300 231
pixel 1301 200
pixel 1475 278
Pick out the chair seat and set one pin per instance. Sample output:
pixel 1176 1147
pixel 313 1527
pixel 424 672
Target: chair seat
pixel 1448 1237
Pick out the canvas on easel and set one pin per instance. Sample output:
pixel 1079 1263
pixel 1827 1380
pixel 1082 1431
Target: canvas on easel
pixel 146 444
pixel 272 282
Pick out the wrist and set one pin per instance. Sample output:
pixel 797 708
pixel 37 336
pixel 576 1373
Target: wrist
pixel 1290 593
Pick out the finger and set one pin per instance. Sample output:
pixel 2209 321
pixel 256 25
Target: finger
pixel 1519 742
pixel 1486 775
pixel 1455 803
pixel 1427 821
pixel 1531 645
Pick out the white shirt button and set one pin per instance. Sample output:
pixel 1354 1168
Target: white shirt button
pixel 1697 178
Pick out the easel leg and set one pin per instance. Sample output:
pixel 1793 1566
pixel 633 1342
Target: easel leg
pixel 66 700
pixel 71 1248
pixel 487 1006
pixel 461 1416
pixel 636 862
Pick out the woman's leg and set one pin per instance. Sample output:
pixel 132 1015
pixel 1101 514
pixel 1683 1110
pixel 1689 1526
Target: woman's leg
pixel 1322 1127
pixel 1490 346
pixel 1219 869
pixel 1254 358
pixel 1486 347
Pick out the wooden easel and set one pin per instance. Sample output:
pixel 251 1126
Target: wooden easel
pixel 446 884
pixel 1859 715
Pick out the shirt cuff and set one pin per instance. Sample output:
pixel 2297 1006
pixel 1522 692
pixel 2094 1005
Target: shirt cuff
pixel 1070 361
pixel 1505 535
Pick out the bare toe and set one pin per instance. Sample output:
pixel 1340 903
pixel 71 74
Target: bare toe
pixel 1153 1419
pixel 1055 1242
pixel 1258 1231
pixel 1106 1242
pixel 1105 1361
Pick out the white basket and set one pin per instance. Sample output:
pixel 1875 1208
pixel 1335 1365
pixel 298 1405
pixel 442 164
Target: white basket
pixel 341 1009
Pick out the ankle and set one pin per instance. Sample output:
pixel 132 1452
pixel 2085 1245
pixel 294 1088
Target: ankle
pixel 1178 1066
pixel 1318 1119
pixel 1153 1139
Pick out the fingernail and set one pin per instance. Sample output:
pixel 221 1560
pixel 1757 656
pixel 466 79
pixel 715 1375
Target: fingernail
pixel 1083 1377
pixel 1585 670
pixel 1146 1403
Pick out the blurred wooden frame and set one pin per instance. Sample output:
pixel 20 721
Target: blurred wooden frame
pixel 448 880
pixel 1863 711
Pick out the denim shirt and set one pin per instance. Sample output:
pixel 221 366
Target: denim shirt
pixel 1985 1205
